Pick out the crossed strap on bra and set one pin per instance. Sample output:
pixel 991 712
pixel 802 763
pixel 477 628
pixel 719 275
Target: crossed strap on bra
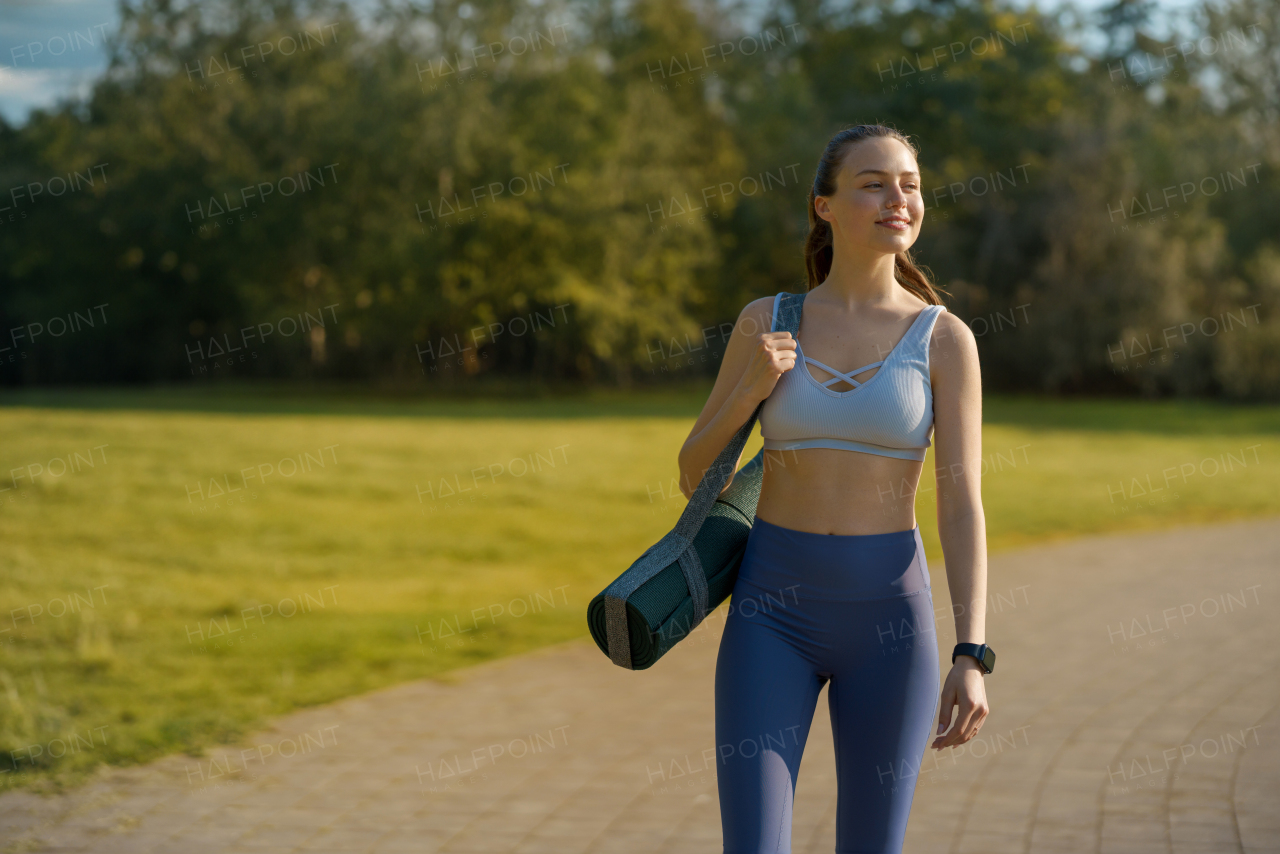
pixel 839 375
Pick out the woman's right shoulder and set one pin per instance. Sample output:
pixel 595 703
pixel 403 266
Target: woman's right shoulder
pixel 756 316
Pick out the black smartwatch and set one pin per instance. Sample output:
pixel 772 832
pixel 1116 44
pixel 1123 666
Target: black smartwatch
pixel 986 655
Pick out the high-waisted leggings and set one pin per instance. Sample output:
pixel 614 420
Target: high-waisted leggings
pixel 807 609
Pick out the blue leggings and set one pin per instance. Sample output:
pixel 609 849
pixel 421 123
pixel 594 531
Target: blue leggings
pixel 808 608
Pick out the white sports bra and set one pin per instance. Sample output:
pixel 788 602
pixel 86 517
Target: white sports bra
pixel 890 414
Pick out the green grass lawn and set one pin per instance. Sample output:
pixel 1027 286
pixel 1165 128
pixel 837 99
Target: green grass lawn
pixel 201 560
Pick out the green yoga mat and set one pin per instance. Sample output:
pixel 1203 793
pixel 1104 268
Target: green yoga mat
pixel 660 613
pixel 669 590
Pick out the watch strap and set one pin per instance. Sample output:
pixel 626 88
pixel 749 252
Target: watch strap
pixel 985 655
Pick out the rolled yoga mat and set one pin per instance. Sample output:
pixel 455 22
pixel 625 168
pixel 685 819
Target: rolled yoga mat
pixel 661 612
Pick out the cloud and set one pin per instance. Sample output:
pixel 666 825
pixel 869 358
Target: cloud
pixel 50 50
pixel 22 90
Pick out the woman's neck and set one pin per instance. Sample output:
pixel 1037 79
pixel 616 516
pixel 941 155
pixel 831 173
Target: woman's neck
pixel 858 279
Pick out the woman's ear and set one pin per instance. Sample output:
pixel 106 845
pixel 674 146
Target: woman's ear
pixel 821 208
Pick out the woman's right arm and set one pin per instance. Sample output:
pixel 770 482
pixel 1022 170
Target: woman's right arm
pixel 753 361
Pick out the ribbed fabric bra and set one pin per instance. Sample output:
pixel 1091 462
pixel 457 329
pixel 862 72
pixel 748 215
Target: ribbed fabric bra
pixel 890 414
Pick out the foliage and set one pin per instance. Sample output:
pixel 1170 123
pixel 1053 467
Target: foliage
pixel 664 151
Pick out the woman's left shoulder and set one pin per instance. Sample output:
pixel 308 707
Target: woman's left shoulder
pixel 952 346
pixel 949 329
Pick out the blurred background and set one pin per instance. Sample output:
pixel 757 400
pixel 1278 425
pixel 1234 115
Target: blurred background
pixel 598 179
pixel 325 326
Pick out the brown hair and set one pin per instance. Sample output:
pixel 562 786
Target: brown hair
pixel 818 251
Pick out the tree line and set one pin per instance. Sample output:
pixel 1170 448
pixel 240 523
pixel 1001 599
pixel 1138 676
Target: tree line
pixel 591 191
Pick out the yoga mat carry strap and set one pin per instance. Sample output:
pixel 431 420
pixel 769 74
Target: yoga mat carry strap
pixel 677 545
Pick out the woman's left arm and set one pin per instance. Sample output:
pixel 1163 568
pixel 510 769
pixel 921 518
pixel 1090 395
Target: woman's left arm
pixel 957 428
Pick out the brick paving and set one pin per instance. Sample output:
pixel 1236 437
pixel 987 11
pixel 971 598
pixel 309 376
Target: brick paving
pixel 1136 708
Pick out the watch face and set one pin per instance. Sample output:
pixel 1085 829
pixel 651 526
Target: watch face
pixel 989 659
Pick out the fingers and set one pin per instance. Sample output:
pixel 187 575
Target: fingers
pixel 977 698
pixel 945 710
pixel 963 730
pixel 953 737
pixel 781 366
pixel 771 347
pixel 968 723
pixel 781 360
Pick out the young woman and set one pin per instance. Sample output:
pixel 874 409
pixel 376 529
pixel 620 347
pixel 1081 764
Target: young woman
pixel 834 561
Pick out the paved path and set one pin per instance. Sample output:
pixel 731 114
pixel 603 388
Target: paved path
pixel 1136 708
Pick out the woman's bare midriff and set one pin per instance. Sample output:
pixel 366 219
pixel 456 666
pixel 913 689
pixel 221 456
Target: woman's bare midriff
pixel 829 491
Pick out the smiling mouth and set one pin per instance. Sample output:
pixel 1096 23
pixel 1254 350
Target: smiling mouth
pixel 894 222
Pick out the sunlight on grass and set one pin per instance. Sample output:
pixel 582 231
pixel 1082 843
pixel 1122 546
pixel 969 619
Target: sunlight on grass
pixel 172 578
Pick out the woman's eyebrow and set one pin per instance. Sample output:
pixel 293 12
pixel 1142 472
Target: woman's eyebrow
pixel 883 172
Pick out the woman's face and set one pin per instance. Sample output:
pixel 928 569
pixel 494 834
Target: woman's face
pixel 877 203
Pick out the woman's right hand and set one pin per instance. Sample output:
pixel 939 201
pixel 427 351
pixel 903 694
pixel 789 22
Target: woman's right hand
pixel 773 354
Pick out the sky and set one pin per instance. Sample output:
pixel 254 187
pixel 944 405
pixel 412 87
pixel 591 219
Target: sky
pixel 52 49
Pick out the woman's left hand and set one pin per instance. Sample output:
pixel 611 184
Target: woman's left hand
pixel 965 689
